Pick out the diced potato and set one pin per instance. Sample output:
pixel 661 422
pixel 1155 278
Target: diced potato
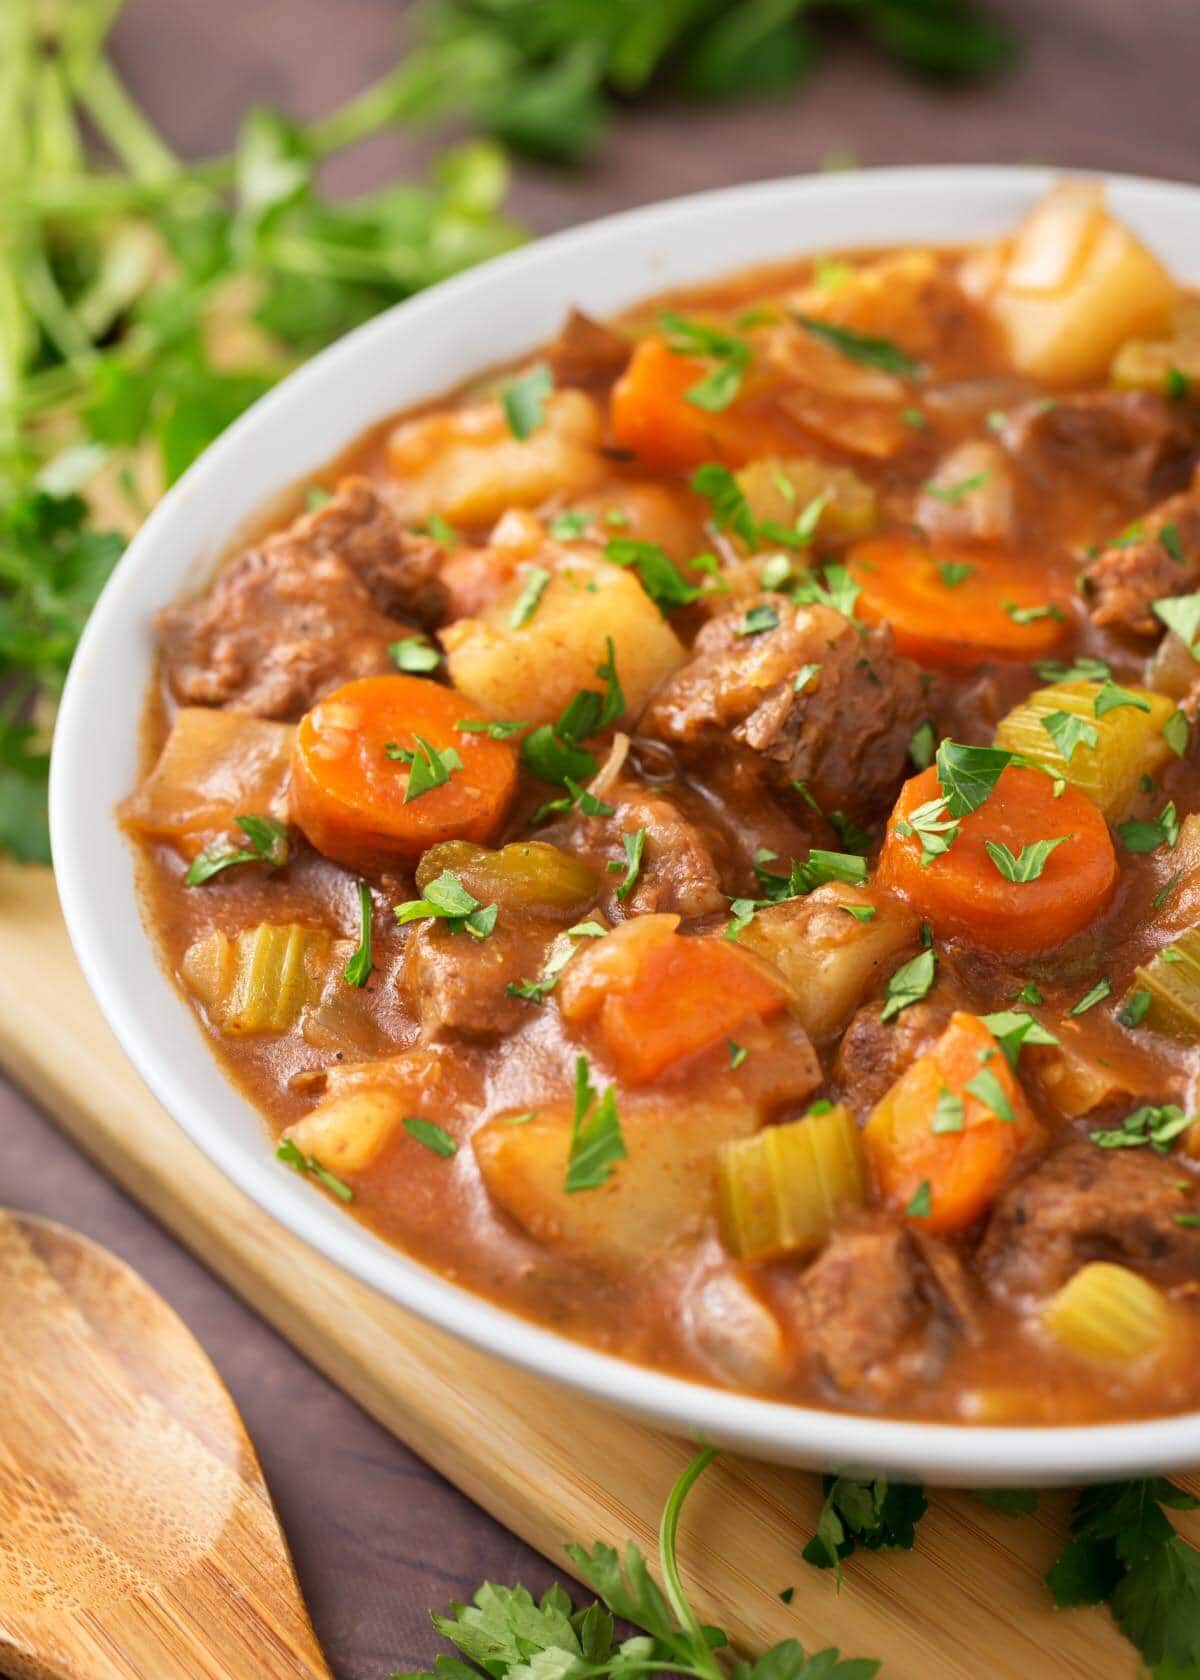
pixel 262 979
pixel 982 506
pixel 777 492
pixel 1130 743
pixel 533 670
pixel 367 1102
pixel 662 1193
pixel 1071 286
pixel 828 957
pixel 525 875
pixel 214 767
pixel 466 465
pixel 346 1134
pixel 1156 364
pixel 782 1190
pixel 1172 978
pixel 1109 1313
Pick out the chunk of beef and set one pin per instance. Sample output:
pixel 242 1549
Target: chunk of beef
pixel 678 871
pixel 307 609
pixel 1130 442
pixel 845 736
pixel 587 351
pixel 1127 577
pixel 874 1053
pixel 1086 1203
pixel 881 1308
pixel 458 984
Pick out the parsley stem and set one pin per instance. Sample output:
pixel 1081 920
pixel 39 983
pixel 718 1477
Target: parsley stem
pixel 140 148
pixel 668 1531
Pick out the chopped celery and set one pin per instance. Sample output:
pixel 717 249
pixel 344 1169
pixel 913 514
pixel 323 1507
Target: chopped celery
pixel 780 1191
pixel 1128 739
pixel 1172 979
pixel 528 874
pixel 262 979
pixel 1108 1312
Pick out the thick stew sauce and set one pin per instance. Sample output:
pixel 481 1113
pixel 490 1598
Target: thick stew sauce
pixel 697 837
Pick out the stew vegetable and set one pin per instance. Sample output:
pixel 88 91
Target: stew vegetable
pixel 697 836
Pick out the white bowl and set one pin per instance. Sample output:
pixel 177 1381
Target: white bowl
pixel 415 352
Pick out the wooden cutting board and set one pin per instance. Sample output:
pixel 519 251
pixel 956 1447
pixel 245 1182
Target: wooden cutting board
pixel 967 1604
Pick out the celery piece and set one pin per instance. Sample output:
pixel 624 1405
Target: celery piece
pixel 1128 739
pixel 1109 1313
pixel 780 1191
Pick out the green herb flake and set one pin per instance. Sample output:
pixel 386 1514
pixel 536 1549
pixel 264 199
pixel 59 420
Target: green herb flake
pixel 1153 1126
pixel 1032 614
pixel 953 494
pixel 358 970
pixel 1069 732
pixel 634 846
pixel 1133 1011
pixel 879 353
pixel 949 1112
pixel 569 526
pixel 1111 698
pixel 1181 614
pixel 1140 836
pixel 860 912
pixel 496 729
pixel 1089 1000
pixel 954 572
pixel 524 401
pixel 660 577
pixel 730 509
pixel 921 1204
pixel 309 1167
pixel 968 775
pixel 430 1135
pixel 922 744
pixel 1029 863
pixel 414 653
pixel 909 984
pixel 731 355
pixel 527 602
pixel 737 1053
pixel 446 899
pixel 1176 733
pixel 1178 385
pixel 266 842
pixel 596 1140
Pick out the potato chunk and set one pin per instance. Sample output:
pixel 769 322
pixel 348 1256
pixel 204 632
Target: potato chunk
pixel 1070 286
pixel 828 957
pixel 531 670
pixel 466 465
pixel 214 766
pixel 663 1192
pixel 367 1102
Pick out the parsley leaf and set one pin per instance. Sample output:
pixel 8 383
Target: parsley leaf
pixel 954 493
pixel 1157 1126
pixel 1026 865
pixel 634 845
pixel 529 599
pixel 1011 1028
pixel 1082 669
pixel 878 353
pixel 1140 836
pixel 414 653
pixel 524 400
pixel 309 1166
pixel 434 1137
pixel 949 1112
pixel 730 509
pixel 358 970
pixel 496 729
pixel 660 578
pixel 922 744
pixel 1180 613
pixel 1069 732
pixel 967 775
pixel 987 1087
pixel 1096 995
pixel 1111 697
pixel 429 766
pixel 596 1141
pixel 267 843
pixel 909 984
pixel 877 1515
pixel 446 899
pixel 732 357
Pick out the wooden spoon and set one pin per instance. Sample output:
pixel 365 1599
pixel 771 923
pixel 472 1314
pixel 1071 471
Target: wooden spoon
pixel 137 1537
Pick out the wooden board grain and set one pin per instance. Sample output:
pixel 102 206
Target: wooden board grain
pixel 968 1603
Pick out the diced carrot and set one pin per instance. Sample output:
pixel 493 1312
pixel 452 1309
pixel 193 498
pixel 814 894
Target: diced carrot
pixel 657 996
pixel 350 783
pixel 956 607
pixel 967 1086
pixel 651 415
pixel 964 892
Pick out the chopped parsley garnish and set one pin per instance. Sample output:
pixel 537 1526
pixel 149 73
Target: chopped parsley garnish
pixel 1156 1126
pixel 559 955
pixel 967 775
pixel 429 766
pixel 496 729
pixel 1165 891
pixel 1139 836
pixel 1090 999
pixel 1030 993
pixel 1133 1011
pixel 414 653
pixel 1069 732
pixel 834 588
pixel 1111 698
pixel 933 826
pixel 633 845
pixel 1032 614
pixel 1178 385
pixel 916 418
pixel 730 509
pixel 803 677
pixel 309 1166
pixel 596 1141
pixel 1011 1028
pixel 877 1515
pixel 553 751
pixel 922 744
pixel 954 493
pixel 569 526
pixel 954 572
pixel 266 842
pixel 949 1112
pixel 1027 864
pixel 1180 613
pixel 358 970
pixel 524 401
pixel 527 602
pixel 1176 732
pixel 860 912
pixel 731 355
pixel 434 1137
pixel 1168 536
pixel 446 899
pixel 737 1053
pixel 775 571
pixel 757 620
pixel 878 353
pixel 909 984
pixel 987 1087
pixel 660 577
pixel 441 531
pixel 921 1204
pixel 854 838
pixel 1082 669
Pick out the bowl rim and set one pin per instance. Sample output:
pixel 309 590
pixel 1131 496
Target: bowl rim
pixel 954 1453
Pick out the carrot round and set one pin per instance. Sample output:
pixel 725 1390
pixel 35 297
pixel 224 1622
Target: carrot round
pixel 945 1179
pixel 956 607
pixel 651 415
pixel 657 996
pixel 352 785
pixel 965 891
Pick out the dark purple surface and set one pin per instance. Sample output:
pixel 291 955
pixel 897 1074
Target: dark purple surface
pixel 377 1536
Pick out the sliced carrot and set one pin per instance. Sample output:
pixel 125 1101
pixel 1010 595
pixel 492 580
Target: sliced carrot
pixel 657 996
pixel 955 607
pixel 350 782
pixel 946 1179
pixel 651 415
pixel 964 892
